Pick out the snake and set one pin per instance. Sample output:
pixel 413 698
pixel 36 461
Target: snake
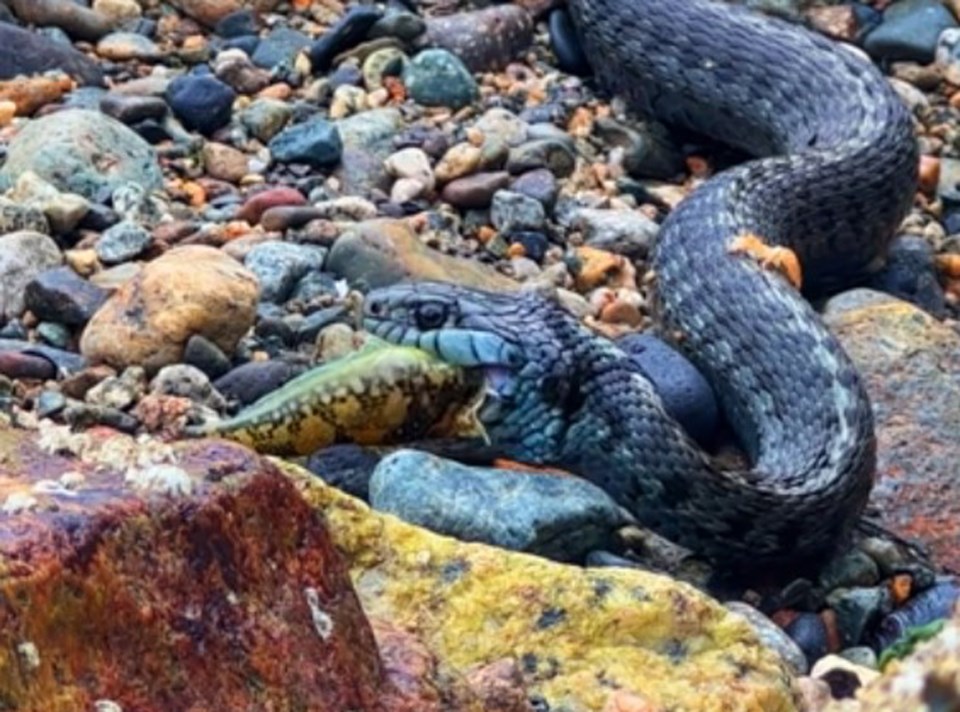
pixel 831 173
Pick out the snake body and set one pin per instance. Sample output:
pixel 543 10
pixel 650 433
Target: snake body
pixel 834 175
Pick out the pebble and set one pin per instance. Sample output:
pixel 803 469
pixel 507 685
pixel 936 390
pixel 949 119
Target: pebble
pixel 68 149
pixel 278 266
pixel 931 605
pixel 405 26
pixel 206 355
pixel 475 191
pixel 772 636
pixel 249 382
pixel 810 634
pixel 911 274
pixel 265 118
pixel 910 31
pixel 202 102
pixel 648 150
pixel 132 108
pixel 17 364
pixel 387 61
pixel 558 517
pixel 435 77
pixel 348 31
pixel 315 142
pixel 484 40
pixel 625 232
pixel 128 46
pixel 513 212
pixel 225 162
pixel 61 295
pixel 412 164
pixel 26 53
pixel 856 610
pixel 234 68
pixel 855 568
pixel 280 46
pixel 258 203
pixel 189 290
pixel 844 676
pixel 552 154
pixel 185 381
pixel 122 242
pixel 539 184
pixel 347 467
pixel 459 160
pixel 23 256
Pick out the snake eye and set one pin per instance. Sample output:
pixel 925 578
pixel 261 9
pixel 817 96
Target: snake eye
pixel 431 315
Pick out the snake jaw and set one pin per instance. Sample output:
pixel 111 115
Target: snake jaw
pixel 779 259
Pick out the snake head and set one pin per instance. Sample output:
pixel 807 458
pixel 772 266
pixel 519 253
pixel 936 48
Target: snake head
pixel 517 339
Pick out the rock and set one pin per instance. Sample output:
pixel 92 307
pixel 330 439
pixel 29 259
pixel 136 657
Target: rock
pixel 435 77
pixel 149 513
pixel 502 126
pixel 686 394
pixel 224 162
pixel 378 253
pixel 911 274
pixel 23 52
pixel 485 40
pixel 539 184
pixel 82 152
pixel 582 634
pixel 27 366
pixel 906 357
pixel 772 636
pixel 854 568
pixel 367 141
pixel 399 23
pixel 561 518
pixel 856 609
pixel 74 19
pixel 475 191
pixel 278 267
pixel 202 102
pixel 934 604
pixel 249 382
pixel 348 32
pixel 315 142
pixel 843 676
pixel 552 154
pixel 132 109
pixel 566 45
pixel 910 31
pixel 127 46
pixel 412 164
pixel 624 232
pixel 810 634
pixel 30 94
pixel 258 203
pixel 347 467
pixel 389 60
pixel 279 46
pixel 186 381
pixel 189 290
pixel 16 216
pixel 460 160
pixel 23 256
pixel 265 118
pixel 122 243
pixel 61 295
pixel 209 12
pixel 118 11
pixel 234 68
pixel 512 212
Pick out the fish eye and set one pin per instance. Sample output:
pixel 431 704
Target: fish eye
pixel 431 315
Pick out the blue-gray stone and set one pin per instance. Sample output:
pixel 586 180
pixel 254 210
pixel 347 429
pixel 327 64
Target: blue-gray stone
pixel 686 394
pixel 911 274
pixel 436 77
pixel 553 154
pixel 61 295
pixel 70 148
pixel 514 212
pixel 122 242
pixel 315 142
pixel 280 46
pixel 557 517
pixel 910 30
pixel 249 382
pixel 57 335
pixel 237 24
pixel 201 101
pixel 857 609
pixel 931 605
pixel 809 632
pixel 280 265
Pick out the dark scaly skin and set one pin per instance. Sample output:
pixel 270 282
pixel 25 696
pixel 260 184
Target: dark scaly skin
pixel 839 177
pixel 374 397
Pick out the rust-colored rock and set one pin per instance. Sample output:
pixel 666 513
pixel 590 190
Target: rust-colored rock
pixel 909 362
pixel 189 290
pixel 200 581
pixel 32 93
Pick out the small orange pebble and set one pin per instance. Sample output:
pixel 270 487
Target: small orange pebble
pixel 623 701
pixel 929 173
pixel 599 268
pixel 516 249
pixel 195 192
pixel 301 5
pixel 901 586
pixel 780 259
pixel 280 90
pixel 949 265
pixel 485 234
pixel 829 619
pixel 581 123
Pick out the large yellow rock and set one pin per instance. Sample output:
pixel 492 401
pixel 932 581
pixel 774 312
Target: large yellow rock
pixel 587 639
pixel 189 290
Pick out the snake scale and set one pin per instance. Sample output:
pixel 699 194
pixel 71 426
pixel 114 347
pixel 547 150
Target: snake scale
pixel 833 174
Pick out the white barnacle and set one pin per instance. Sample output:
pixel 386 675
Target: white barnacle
pixel 322 622
pixel 29 654
pixel 165 479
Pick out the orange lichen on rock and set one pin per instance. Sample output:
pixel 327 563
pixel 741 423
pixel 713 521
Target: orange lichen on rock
pixel 203 581
pixel 779 259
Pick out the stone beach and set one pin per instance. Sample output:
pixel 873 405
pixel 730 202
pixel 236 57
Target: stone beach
pixel 195 195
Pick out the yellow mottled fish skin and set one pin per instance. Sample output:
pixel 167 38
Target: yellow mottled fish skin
pixel 376 396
